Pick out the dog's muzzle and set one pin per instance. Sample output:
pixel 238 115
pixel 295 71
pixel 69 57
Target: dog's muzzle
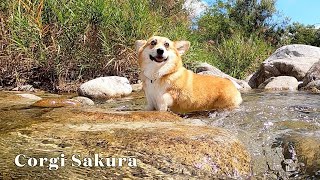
pixel 158 59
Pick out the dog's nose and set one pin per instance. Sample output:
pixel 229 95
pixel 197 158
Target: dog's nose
pixel 160 51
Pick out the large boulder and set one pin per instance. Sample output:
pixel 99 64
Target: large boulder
pixel 105 87
pixel 280 83
pixel 291 60
pixel 163 144
pixel 207 69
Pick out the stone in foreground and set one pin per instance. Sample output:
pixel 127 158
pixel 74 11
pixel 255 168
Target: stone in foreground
pixel 164 145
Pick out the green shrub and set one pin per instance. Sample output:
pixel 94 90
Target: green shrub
pixel 61 42
pixel 239 56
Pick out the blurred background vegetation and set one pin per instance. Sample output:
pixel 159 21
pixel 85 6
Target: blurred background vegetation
pixel 57 44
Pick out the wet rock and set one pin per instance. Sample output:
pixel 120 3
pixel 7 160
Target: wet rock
pixel 55 103
pixel 30 96
pixel 163 143
pixel 27 87
pixel 303 151
pixel 84 100
pixel 207 69
pixel 280 83
pixel 291 60
pixel 105 87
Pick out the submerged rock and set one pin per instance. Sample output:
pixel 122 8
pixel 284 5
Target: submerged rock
pixel 30 96
pixel 55 103
pixel 280 83
pixel 105 87
pixel 84 100
pixel 291 60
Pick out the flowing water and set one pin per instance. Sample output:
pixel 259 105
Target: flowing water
pixel 281 130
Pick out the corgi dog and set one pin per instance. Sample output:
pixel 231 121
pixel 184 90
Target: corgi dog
pixel 170 86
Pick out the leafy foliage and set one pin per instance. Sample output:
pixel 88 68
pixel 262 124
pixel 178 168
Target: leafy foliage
pixel 56 45
pixel 301 34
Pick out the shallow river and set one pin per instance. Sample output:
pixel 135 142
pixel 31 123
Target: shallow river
pixel 281 131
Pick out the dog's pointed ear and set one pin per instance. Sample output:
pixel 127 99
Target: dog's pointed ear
pixel 182 46
pixel 139 44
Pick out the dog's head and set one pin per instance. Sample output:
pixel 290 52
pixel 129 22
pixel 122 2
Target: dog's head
pixel 160 50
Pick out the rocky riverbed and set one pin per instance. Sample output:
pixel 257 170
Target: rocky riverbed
pixel 272 135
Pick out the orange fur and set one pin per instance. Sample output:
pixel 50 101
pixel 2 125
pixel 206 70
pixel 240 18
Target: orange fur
pixel 169 85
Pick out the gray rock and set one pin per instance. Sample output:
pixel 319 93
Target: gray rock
pixel 247 79
pixel 105 87
pixel 84 100
pixel 291 60
pixel 313 74
pixel 314 86
pixel 30 96
pixel 27 87
pixel 207 69
pixel 280 83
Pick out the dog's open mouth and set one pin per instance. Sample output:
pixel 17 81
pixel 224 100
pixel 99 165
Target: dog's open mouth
pixel 158 59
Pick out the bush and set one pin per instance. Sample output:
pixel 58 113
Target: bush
pixel 239 56
pixel 53 44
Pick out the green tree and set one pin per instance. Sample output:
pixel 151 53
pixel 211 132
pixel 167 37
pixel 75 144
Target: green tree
pixel 246 16
pixel 304 34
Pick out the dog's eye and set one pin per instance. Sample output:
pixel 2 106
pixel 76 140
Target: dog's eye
pixel 153 42
pixel 166 45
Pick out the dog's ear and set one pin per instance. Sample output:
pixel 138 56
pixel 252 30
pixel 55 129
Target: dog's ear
pixel 182 46
pixel 139 44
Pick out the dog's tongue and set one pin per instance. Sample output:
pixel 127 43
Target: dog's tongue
pixel 159 57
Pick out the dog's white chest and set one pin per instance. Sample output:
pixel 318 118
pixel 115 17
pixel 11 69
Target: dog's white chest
pixel 153 89
pixel 157 96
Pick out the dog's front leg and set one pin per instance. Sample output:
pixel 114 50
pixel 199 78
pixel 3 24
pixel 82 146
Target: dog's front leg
pixel 163 102
pixel 150 104
pixel 161 105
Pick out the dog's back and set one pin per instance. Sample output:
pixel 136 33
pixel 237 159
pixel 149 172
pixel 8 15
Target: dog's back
pixel 197 92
